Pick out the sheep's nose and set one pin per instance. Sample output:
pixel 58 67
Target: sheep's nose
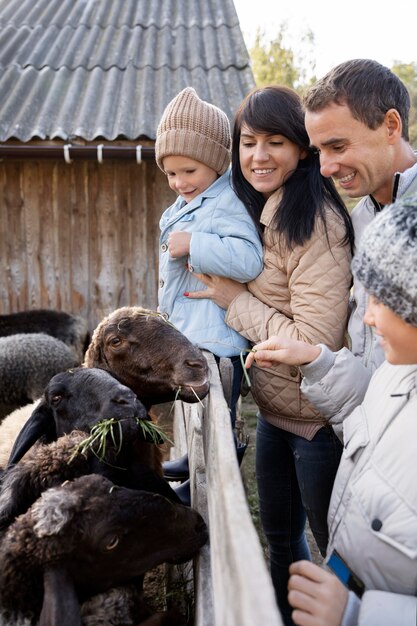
pixel 124 400
pixel 196 364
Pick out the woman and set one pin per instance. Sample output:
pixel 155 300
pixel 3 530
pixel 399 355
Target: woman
pixel 373 510
pixel 302 293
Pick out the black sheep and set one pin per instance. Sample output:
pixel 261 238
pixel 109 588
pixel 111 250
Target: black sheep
pixel 74 402
pixel 70 329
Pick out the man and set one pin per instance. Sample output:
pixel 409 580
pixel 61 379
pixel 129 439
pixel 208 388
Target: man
pixel 357 118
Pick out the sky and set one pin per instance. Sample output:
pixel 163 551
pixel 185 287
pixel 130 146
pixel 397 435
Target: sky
pixel 354 29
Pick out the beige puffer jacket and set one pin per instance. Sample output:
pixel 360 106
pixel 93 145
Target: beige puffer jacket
pixel 301 294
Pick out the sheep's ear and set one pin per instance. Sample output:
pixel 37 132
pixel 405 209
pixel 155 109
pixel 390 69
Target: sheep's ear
pixel 93 356
pixel 53 511
pixel 41 423
pixel 60 603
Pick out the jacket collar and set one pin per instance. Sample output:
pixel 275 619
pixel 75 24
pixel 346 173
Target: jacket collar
pixel 270 208
pixel 401 181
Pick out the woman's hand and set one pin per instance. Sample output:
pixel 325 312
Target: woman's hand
pixel 316 595
pixel 219 289
pixel 277 350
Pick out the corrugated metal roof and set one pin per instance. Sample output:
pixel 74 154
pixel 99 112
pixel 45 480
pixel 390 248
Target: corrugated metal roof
pixel 107 68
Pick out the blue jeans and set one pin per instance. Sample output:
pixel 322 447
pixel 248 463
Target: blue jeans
pixel 295 480
pixel 236 383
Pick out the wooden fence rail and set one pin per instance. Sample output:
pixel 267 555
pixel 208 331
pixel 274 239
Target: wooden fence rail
pixel 232 585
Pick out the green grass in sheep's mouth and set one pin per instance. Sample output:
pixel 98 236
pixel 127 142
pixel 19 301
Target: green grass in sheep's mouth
pixel 97 440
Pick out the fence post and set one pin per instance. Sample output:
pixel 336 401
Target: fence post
pixel 232 583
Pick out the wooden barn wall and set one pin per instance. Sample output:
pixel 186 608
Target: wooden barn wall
pixel 79 237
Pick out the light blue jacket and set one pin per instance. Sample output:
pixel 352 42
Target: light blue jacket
pixel 224 242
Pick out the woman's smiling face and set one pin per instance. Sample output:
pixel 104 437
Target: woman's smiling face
pixel 267 161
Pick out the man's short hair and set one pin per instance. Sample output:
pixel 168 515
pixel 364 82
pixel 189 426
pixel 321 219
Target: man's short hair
pixel 368 88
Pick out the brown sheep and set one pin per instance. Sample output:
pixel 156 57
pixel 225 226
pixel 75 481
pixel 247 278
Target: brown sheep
pixel 86 537
pixel 149 355
pixel 145 353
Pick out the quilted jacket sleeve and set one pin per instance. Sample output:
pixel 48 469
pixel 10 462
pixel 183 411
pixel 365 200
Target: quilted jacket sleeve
pixel 302 296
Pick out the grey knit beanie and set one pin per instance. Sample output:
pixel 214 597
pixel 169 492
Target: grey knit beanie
pixel 194 128
pixel 386 260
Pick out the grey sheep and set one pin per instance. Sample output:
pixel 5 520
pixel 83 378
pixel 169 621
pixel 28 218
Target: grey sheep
pixel 84 538
pixel 27 363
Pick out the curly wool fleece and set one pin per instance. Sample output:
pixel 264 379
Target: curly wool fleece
pixel 386 260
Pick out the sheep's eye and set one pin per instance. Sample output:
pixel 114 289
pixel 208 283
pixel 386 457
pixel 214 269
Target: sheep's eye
pixel 115 341
pixel 56 399
pixel 114 541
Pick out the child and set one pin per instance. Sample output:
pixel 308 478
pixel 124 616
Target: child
pixel 373 511
pixel 207 230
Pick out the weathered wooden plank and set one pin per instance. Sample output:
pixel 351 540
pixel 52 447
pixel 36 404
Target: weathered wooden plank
pixel 13 268
pixel 79 278
pixel 81 237
pixel 233 586
pixel 32 233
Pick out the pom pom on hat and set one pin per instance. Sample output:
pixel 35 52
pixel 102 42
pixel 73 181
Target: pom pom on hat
pixel 194 128
pixel 386 259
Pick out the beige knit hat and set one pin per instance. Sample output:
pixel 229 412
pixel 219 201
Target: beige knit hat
pixel 194 128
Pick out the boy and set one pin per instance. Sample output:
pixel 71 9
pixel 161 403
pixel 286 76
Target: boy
pixel 207 230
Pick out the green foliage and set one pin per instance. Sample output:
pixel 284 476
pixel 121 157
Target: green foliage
pixel 275 63
pixel 104 433
pixel 407 72
pixel 272 62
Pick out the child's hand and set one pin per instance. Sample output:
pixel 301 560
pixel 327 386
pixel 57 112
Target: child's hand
pixel 316 595
pixel 282 350
pixel 179 244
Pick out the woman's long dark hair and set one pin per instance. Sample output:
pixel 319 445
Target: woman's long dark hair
pixel 277 110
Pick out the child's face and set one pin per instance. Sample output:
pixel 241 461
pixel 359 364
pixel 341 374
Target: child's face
pixel 187 177
pixel 397 338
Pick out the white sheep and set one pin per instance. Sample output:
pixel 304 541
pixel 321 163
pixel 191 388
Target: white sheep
pixel 10 428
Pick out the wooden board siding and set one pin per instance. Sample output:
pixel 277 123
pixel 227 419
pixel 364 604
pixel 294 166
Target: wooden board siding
pixel 80 237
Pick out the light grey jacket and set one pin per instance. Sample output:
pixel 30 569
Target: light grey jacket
pixel 373 509
pixel 336 382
